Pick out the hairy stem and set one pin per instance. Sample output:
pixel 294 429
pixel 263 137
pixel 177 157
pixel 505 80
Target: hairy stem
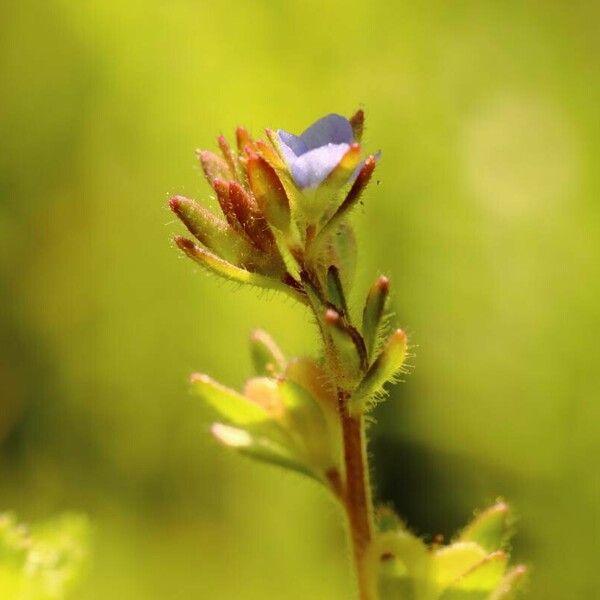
pixel 357 499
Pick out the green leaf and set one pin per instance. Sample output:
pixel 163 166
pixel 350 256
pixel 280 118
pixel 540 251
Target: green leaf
pixel 480 580
pixel 450 563
pixel 373 312
pixel 266 356
pixel 307 425
pixel 511 584
pixel 384 368
pixel 261 447
pixel 349 356
pixel 228 403
pixel 490 529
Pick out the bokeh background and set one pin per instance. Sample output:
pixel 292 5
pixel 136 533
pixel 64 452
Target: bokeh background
pixel 485 215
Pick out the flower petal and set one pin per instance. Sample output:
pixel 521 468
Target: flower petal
pixel 310 169
pixel 291 146
pixel 332 129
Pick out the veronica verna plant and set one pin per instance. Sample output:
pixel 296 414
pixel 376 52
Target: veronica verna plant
pixel 286 202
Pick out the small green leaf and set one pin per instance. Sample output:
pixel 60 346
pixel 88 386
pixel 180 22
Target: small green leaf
pixel 349 357
pixel 228 403
pixel 305 422
pixel 260 447
pixel 386 366
pixel 374 311
pixel 450 563
pixel 490 529
pixel 266 356
pixel 480 580
pixel 511 584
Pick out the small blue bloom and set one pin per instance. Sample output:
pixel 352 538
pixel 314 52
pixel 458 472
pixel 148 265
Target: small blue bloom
pixel 312 156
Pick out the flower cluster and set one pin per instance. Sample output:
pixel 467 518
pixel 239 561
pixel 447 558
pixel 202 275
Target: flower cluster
pixel 285 202
pixel 280 202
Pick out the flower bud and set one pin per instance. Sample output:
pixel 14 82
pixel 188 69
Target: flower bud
pixel 211 231
pixel 228 155
pixel 244 141
pixel 269 192
pixel 250 218
pixel 214 167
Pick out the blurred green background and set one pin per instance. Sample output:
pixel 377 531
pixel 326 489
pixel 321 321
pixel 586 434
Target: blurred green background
pixel 485 216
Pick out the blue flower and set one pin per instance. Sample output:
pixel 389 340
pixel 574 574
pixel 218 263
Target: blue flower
pixel 312 156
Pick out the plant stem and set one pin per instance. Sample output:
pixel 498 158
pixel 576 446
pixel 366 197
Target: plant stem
pixel 357 498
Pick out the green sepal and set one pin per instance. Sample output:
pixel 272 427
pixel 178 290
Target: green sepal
pixel 350 201
pixel 491 528
pixel 384 368
pixel 266 356
pixel 234 407
pixel 374 311
pixel 261 447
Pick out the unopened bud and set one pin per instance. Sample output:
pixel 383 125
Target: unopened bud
pixel 214 167
pixel 269 192
pixel 250 218
pixel 201 223
pixel 228 155
pixel 244 140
